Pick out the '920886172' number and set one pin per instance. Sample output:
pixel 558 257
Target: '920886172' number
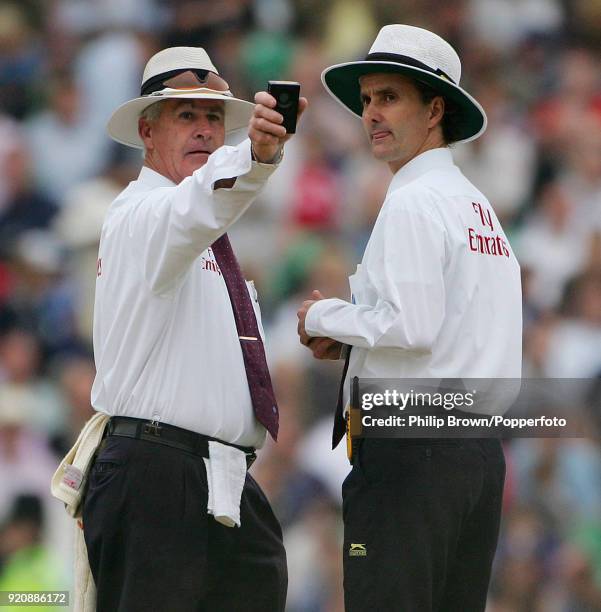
pixel 27 598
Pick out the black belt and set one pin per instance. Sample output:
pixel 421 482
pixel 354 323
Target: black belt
pixel 169 435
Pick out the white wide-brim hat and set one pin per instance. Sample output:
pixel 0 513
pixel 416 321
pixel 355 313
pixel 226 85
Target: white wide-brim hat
pixel 123 124
pixel 416 53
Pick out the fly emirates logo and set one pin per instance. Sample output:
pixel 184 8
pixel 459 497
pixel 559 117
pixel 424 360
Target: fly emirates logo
pixel 486 244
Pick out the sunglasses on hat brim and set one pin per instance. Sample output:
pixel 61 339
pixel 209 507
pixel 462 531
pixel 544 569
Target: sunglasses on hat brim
pixel 185 79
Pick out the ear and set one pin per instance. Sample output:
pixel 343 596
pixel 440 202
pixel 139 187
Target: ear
pixel 437 107
pixel 145 133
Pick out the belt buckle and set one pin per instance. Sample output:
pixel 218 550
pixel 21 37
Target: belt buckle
pixel 153 428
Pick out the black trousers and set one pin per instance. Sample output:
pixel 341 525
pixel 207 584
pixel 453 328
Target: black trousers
pixel 152 545
pixel 421 521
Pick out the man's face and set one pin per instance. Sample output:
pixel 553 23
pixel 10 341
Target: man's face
pixel 182 138
pixel 396 120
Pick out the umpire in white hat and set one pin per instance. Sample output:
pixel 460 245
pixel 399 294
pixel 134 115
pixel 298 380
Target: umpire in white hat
pixel 172 520
pixel 437 295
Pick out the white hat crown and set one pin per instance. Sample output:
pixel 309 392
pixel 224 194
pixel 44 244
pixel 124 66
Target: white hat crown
pixel 177 58
pixel 420 45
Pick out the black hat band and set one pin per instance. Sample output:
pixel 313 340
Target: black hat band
pixel 410 61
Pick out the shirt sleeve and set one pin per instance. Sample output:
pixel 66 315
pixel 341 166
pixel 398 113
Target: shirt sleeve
pixel 172 226
pixel 401 297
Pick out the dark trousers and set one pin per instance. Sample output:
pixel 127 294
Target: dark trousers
pixel 152 545
pixel 421 521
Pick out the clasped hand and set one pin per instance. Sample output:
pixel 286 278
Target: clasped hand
pixel 322 348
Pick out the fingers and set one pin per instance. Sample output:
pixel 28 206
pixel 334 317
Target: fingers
pixel 322 348
pixel 264 118
pixel 266 99
pixel 303 103
pixel 325 348
pixel 264 109
pixel 319 347
pixel 265 129
pixel 302 311
pixel 304 338
pixel 265 125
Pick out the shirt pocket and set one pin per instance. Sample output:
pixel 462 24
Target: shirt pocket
pixel 254 298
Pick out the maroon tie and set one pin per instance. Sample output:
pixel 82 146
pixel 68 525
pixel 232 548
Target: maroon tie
pixel 259 381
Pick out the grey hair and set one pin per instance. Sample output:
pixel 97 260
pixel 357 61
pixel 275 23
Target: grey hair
pixel 151 114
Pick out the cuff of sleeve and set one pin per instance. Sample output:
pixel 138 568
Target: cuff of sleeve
pixel 274 162
pixel 258 170
pixel 236 162
pixel 312 319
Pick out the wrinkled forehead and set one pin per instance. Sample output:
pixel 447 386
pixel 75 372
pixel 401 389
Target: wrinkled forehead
pixel 197 104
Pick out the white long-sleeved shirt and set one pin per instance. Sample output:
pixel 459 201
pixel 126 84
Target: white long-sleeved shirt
pixel 438 292
pixel 165 338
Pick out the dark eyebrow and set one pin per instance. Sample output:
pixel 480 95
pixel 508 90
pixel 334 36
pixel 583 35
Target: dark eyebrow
pixel 384 91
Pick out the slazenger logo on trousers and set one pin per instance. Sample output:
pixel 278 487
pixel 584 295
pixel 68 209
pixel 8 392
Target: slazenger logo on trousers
pixel 357 550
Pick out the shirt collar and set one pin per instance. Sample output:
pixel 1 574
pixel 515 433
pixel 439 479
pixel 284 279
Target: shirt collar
pixel 424 162
pixel 151 178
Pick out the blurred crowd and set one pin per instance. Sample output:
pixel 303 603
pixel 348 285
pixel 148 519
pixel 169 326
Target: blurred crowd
pixel 533 64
